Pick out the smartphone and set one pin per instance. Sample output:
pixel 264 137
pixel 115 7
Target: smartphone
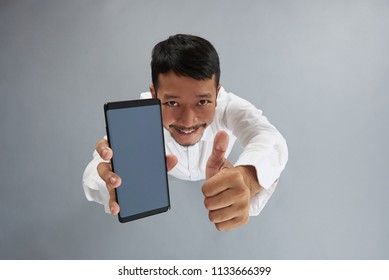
pixel 135 135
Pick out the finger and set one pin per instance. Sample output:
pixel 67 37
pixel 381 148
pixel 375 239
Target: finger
pixel 217 157
pixel 227 198
pixel 221 200
pixel 233 223
pixel 103 149
pixel 228 213
pixel 171 161
pixel 112 181
pixel 110 178
pixel 113 205
pixel 219 181
pixel 225 179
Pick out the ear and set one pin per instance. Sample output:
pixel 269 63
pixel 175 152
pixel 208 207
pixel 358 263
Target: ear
pixel 152 90
pixel 217 93
pixel 219 86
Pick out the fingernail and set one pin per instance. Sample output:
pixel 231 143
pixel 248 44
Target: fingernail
pixel 112 180
pixel 104 151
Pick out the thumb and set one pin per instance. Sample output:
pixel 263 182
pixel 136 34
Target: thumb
pixel 217 157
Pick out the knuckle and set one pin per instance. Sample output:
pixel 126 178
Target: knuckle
pixel 227 165
pixel 235 175
pixel 220 227
pixel 204 189
pixel 206 203
pixel 245 219
pixel 243 208
pixel 216 216
pixel 103 168
pixel 212 216
pixel 100 144
pixel 242 193
pixel 208 189
pixel 242 220
pixel 211 203
pixel 100 169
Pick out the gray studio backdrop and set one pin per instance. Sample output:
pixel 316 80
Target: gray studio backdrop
pixel 318 70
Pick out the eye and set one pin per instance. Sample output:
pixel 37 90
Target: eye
pixel 203 102
pixel 171 103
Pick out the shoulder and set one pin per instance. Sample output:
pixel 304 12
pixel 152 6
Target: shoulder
pixel 223 98
pixel 145 95
pixel 228 101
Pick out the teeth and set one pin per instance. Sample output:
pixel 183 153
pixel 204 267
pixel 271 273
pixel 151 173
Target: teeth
pixel 187 131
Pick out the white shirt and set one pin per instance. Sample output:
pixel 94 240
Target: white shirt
pixel 263 147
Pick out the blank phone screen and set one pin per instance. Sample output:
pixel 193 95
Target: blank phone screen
pixel 135 134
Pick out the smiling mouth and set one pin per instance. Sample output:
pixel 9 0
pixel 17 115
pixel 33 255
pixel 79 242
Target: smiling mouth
pixel 187 130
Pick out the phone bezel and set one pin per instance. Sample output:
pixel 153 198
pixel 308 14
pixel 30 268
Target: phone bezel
pixel 131 104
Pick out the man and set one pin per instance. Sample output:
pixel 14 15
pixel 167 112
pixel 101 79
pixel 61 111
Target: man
pixel 201 123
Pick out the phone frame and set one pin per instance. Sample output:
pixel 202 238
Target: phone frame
pixel 130 104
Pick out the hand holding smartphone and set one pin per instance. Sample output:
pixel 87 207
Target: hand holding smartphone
pixel 135 135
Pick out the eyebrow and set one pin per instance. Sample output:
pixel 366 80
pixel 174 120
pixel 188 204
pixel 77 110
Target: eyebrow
pixel 170 96
pixel 204 95
pixel 201 95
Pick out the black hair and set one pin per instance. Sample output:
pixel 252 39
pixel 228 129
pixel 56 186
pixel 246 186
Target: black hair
pixel 185 55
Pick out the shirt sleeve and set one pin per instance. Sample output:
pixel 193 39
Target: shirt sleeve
pixel 94 187
pixel 263 146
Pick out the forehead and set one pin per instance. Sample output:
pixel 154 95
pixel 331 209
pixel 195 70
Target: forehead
pixel 172 86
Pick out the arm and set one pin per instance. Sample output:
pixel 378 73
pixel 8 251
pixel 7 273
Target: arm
pixel 233 193
pixel 265 151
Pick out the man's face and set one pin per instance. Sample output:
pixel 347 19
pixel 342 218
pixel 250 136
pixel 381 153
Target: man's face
pixel 188 106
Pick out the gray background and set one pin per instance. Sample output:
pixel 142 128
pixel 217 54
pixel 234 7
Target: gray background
pixel 318 69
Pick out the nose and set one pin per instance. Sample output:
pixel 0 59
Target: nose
pixel 187 117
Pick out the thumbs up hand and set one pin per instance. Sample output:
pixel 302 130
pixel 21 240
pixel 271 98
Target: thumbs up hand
pixel 227 189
